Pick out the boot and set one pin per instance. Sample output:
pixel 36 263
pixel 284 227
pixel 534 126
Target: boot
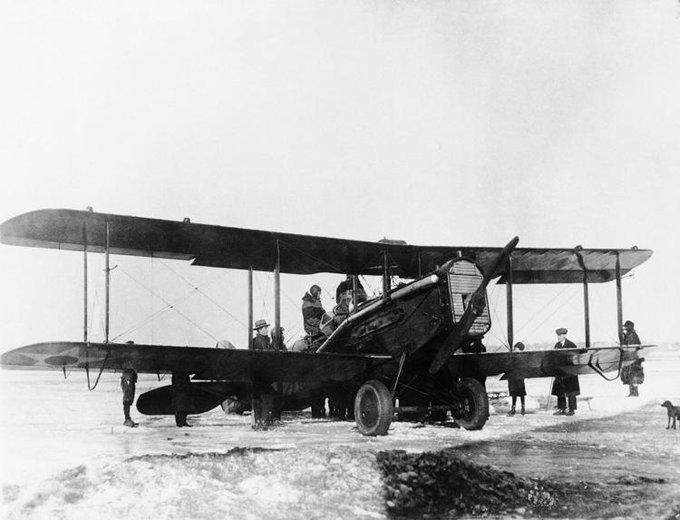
pixel 560 411
pixel 570 412
pixel 130 423
pixel 522 412
pixel 511 412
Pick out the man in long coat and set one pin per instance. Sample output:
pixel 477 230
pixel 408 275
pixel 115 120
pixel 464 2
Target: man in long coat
pixel 632 375
pixel 566 388
pixel 128 381
pixel 516 387
pixel 263 397
pixel 182 401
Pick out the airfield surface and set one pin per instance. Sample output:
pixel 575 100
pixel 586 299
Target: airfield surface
pixel 65 454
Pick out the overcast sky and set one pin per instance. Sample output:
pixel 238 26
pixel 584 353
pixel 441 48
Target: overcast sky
pixel 439 123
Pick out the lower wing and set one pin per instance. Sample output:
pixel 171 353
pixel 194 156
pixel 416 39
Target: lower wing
pixel 545 363
pixel 204 363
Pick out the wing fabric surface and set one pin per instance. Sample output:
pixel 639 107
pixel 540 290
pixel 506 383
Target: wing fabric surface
pixel 205 363
pixel 236 248
pixel 543 363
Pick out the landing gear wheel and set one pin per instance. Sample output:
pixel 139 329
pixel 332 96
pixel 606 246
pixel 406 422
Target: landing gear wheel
pixel 373 408
pixel 474 407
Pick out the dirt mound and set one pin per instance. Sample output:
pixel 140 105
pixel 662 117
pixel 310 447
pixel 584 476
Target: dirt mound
pixel 442 484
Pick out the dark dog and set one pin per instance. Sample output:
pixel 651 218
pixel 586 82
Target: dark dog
pixel 673 413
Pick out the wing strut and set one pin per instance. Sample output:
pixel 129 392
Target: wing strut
pixel 619 304
pixel 586 307
pixel 508 297
pixel 107 274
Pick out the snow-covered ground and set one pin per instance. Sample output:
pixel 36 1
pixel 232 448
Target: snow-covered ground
pixel 66 454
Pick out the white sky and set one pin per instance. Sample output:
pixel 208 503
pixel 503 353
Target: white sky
pixel 439 123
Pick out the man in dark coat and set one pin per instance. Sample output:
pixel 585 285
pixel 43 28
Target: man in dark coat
pixel 263 396
pixel 565 387
pixel 262 341
pixel 631 375
pixel 516 387
pixel 345 290
pixel 182 401
pixel 312 311
pixel 128 380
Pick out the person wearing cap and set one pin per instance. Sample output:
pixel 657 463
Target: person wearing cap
pixel 261 341
pixel 516 387
pixel 128 380
pixel 312 311
pixel 262 399
pixel 566 388
pixel 633 374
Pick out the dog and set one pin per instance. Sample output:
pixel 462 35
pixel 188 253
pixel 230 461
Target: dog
pixel 673 413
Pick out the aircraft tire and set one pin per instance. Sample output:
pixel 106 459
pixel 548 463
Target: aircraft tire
pixel 476 404
pixel 373 408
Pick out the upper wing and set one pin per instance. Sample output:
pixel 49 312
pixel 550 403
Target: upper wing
pixel 544 363
pixel 204 363
pixel 236 248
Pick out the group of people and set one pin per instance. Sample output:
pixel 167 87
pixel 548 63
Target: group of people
pixel 566 388
pixel 317 323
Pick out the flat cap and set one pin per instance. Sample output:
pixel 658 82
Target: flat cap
pixel 561 330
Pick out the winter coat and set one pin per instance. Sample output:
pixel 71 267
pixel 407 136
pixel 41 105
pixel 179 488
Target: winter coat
pixel 261 342
pixel 631 339
pixel 182 400
pixel 566 385
pixel 312 311
pixel 340 313
pixel 632 374
pixel 516 387
pixel 347 285
pixel 127 384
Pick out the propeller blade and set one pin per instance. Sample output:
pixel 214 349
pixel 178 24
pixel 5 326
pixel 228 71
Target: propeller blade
pixel 474 309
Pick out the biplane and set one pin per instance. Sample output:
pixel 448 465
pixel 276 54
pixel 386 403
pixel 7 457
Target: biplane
pixel 414 343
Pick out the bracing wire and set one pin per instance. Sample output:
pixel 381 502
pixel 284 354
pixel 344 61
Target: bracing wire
pixel 154 315
pixel 533 316
pixel 208 297
pixel 551 314
pixel 170 305
pixel 263 308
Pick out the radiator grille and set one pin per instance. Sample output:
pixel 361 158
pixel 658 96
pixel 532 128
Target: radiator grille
pixel 464 279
